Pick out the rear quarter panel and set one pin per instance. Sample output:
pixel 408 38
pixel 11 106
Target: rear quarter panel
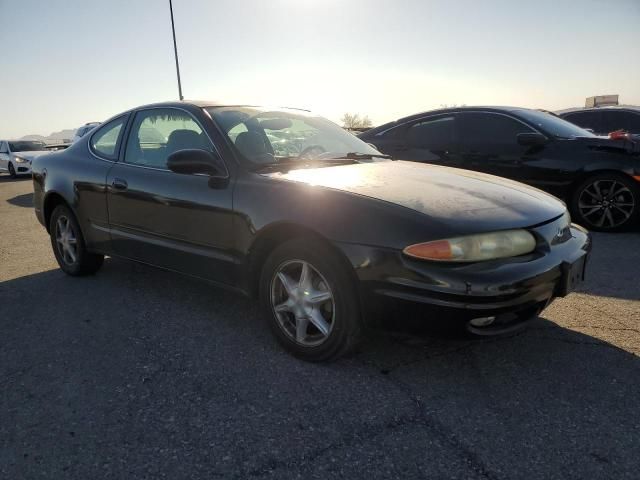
pixel 79 179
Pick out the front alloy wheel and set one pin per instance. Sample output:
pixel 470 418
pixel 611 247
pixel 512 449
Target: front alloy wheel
pixel 302 302
pixel 309 300
pixel 606 203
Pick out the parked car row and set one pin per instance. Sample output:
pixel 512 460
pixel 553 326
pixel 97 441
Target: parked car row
pixel 324 229
pixel 16 156
pixel 598 177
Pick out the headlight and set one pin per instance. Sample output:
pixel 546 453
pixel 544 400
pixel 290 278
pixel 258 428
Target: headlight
pixel 475 248
pixel 21 160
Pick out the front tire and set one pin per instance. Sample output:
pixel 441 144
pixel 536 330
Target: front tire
pixel 12 171
pixel 607 202
pixel 310 302
pixel 69 246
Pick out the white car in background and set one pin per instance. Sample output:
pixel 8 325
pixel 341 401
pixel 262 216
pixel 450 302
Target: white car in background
pixel 16 155
pixel 83 130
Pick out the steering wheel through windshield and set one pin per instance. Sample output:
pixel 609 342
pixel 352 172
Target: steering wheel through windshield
pixel 312 151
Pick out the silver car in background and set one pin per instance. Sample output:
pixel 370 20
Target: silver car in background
pixel 16 155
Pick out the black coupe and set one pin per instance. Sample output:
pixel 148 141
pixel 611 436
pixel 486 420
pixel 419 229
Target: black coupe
pixel 599 178
pixel 289 207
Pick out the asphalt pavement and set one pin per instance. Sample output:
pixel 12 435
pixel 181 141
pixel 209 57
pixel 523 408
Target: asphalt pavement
pixel 141 373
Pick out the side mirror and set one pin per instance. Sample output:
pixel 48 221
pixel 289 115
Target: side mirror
pixel 531 139
pixel 191 161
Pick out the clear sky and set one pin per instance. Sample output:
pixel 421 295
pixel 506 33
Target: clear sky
pixel 67 62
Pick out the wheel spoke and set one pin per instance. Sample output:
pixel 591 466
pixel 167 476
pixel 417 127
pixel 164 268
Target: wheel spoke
pixel 60 225
pixel 305 277
pixel 609 216
pixel 592 208
pixel 319 322
pixel 301 329
pixel 596 188
pixel 613 194
pixel 287 283
pixel 72 254
pixel 317 297
pixel 282 307
pixel 624 212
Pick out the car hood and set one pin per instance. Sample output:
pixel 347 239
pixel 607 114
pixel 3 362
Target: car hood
pixel 460 198
pixel 30 155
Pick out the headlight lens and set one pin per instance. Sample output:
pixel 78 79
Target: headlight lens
pixel 21 160
pixel 475 248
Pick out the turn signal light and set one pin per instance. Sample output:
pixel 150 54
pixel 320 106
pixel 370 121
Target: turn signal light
pixel 475 248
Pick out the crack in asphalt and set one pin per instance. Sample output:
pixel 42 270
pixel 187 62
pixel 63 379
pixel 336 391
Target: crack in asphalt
pixel 371 431
pixel 444 434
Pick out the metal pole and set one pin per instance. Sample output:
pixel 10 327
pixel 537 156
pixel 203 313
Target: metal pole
pixel 175 51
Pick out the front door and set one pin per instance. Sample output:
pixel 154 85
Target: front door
pixel 488 142
pixel 177 221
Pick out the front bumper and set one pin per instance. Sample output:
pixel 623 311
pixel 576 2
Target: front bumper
pixel 23 168
pixel 511 290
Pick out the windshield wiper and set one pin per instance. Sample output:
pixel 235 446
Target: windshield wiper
pixel 360 156
pixel 294 162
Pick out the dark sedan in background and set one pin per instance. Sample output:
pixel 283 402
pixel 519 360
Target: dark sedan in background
pixel 604 120
pixel 599 178
pixel 325 231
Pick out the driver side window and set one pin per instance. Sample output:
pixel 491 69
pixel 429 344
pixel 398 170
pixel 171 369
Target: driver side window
pixel 156 134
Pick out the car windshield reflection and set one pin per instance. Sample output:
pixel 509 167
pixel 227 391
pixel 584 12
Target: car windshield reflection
pixel 267 137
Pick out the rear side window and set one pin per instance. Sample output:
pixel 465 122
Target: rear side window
pixel 621 120
pixel 106 140
pixel 157 133
pixel 486 130
pixel 592 120
pixel 432 134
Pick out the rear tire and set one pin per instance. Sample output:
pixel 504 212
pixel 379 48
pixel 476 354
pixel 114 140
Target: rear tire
pixel 607 202
pixel 309 301
pixel 69 246
pixel 12 171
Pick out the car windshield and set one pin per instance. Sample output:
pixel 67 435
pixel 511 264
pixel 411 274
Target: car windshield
pixel 27 146
pixel 553 125
pixel 265 136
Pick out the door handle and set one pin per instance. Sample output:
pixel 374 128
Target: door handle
pixel 119 184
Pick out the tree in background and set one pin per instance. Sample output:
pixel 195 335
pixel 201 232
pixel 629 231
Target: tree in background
pixel 354 120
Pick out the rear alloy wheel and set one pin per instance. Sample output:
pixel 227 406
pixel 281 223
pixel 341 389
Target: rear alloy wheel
pixel 12 171
pixel 309 301
pixel 606 203
pixel 68 244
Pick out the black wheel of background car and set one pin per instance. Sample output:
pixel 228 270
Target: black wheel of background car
pixel 310 301
pixel 68 244
pixel 607 202
pixel 12 171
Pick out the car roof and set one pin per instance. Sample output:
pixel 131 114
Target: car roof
pixel 195 103
pixel 439 111
pixel 208 103
pixel 621 108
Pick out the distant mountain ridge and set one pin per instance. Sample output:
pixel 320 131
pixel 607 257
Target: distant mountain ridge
pixel 63 136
